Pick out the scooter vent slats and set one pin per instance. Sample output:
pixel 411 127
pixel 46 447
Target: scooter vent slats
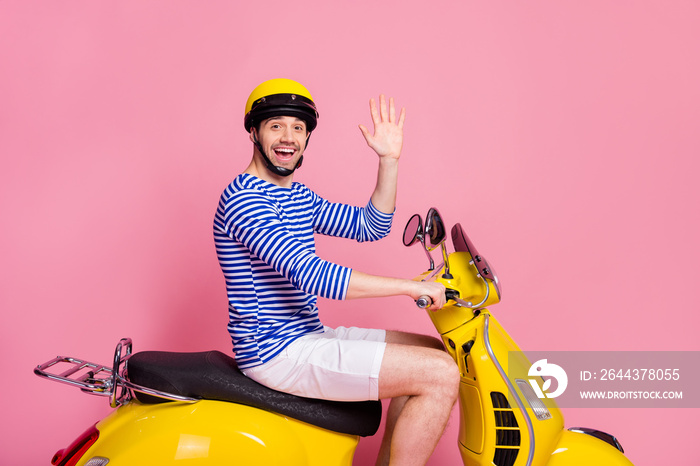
pixel 507 431
pixel 499 401
pixel 505 419
pixel 508 437
pixel 505 457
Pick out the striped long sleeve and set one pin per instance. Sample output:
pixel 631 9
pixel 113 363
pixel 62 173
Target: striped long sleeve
pixel 264 241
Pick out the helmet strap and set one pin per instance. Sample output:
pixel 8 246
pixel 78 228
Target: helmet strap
pixel 279 171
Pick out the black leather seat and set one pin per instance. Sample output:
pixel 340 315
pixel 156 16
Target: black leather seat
pixel 213 375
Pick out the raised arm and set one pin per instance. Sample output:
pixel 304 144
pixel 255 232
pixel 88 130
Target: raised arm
pixel 387 142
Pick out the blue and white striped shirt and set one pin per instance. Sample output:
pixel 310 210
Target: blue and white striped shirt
pixel 264 236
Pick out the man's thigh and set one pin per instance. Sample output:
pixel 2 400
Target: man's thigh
pixel 415 339
pixel 413 365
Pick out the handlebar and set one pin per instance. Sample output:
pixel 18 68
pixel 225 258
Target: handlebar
pixel 425 301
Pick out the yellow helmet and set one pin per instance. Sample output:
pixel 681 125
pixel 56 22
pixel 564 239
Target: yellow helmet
pixel 280 97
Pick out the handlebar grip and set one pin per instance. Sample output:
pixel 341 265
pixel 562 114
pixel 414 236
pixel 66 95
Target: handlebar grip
pixel 423 302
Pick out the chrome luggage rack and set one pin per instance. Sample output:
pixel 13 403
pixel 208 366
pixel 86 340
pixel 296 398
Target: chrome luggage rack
pixel 96 379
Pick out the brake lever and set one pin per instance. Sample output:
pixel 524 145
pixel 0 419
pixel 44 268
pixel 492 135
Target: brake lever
pixel 453 295
pixel 450 294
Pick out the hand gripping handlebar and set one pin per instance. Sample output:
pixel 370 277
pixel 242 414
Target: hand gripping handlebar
pixel 450 294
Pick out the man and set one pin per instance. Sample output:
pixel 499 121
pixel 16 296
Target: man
pixel 264 231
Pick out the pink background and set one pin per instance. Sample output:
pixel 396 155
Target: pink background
pixel 563 135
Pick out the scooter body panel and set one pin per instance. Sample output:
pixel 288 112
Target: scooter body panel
pixel 494 429
pixel 214 432
pixel 497 424
pixel 470 287
pixel 577 449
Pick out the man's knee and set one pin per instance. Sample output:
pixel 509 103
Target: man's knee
pixel 444 376
pixel 415 370
pixel 448 376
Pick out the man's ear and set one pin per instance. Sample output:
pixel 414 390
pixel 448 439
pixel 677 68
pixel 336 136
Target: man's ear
pixel 253 135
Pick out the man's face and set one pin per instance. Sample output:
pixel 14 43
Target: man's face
pixel 284 139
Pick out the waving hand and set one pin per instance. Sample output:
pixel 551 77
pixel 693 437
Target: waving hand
pixel 387 139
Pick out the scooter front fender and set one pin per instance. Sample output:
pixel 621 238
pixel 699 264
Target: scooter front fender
pixel 579 449
pixel 214 432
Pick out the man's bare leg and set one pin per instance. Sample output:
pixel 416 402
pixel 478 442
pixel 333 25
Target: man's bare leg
pixel 423 382
pixel 395 407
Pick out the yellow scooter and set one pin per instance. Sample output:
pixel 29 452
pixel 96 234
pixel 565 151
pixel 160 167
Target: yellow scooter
pixel 199 409
pixel 503 420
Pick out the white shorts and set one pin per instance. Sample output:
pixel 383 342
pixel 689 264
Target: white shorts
pixel 339 364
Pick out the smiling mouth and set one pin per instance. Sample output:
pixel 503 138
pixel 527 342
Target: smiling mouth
pixel 284 154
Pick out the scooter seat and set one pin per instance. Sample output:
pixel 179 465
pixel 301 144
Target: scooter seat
pixel 212 375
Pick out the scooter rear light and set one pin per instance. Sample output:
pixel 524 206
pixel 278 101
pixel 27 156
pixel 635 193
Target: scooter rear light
pixel 71 455
pixel 538 407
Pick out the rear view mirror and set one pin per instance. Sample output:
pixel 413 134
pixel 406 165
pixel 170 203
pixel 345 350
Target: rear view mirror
pixel 413 231
pixel 436 233
pixel 434 229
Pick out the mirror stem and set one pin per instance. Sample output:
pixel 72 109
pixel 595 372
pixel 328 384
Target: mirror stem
pixel 430 258
pixel 447 275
